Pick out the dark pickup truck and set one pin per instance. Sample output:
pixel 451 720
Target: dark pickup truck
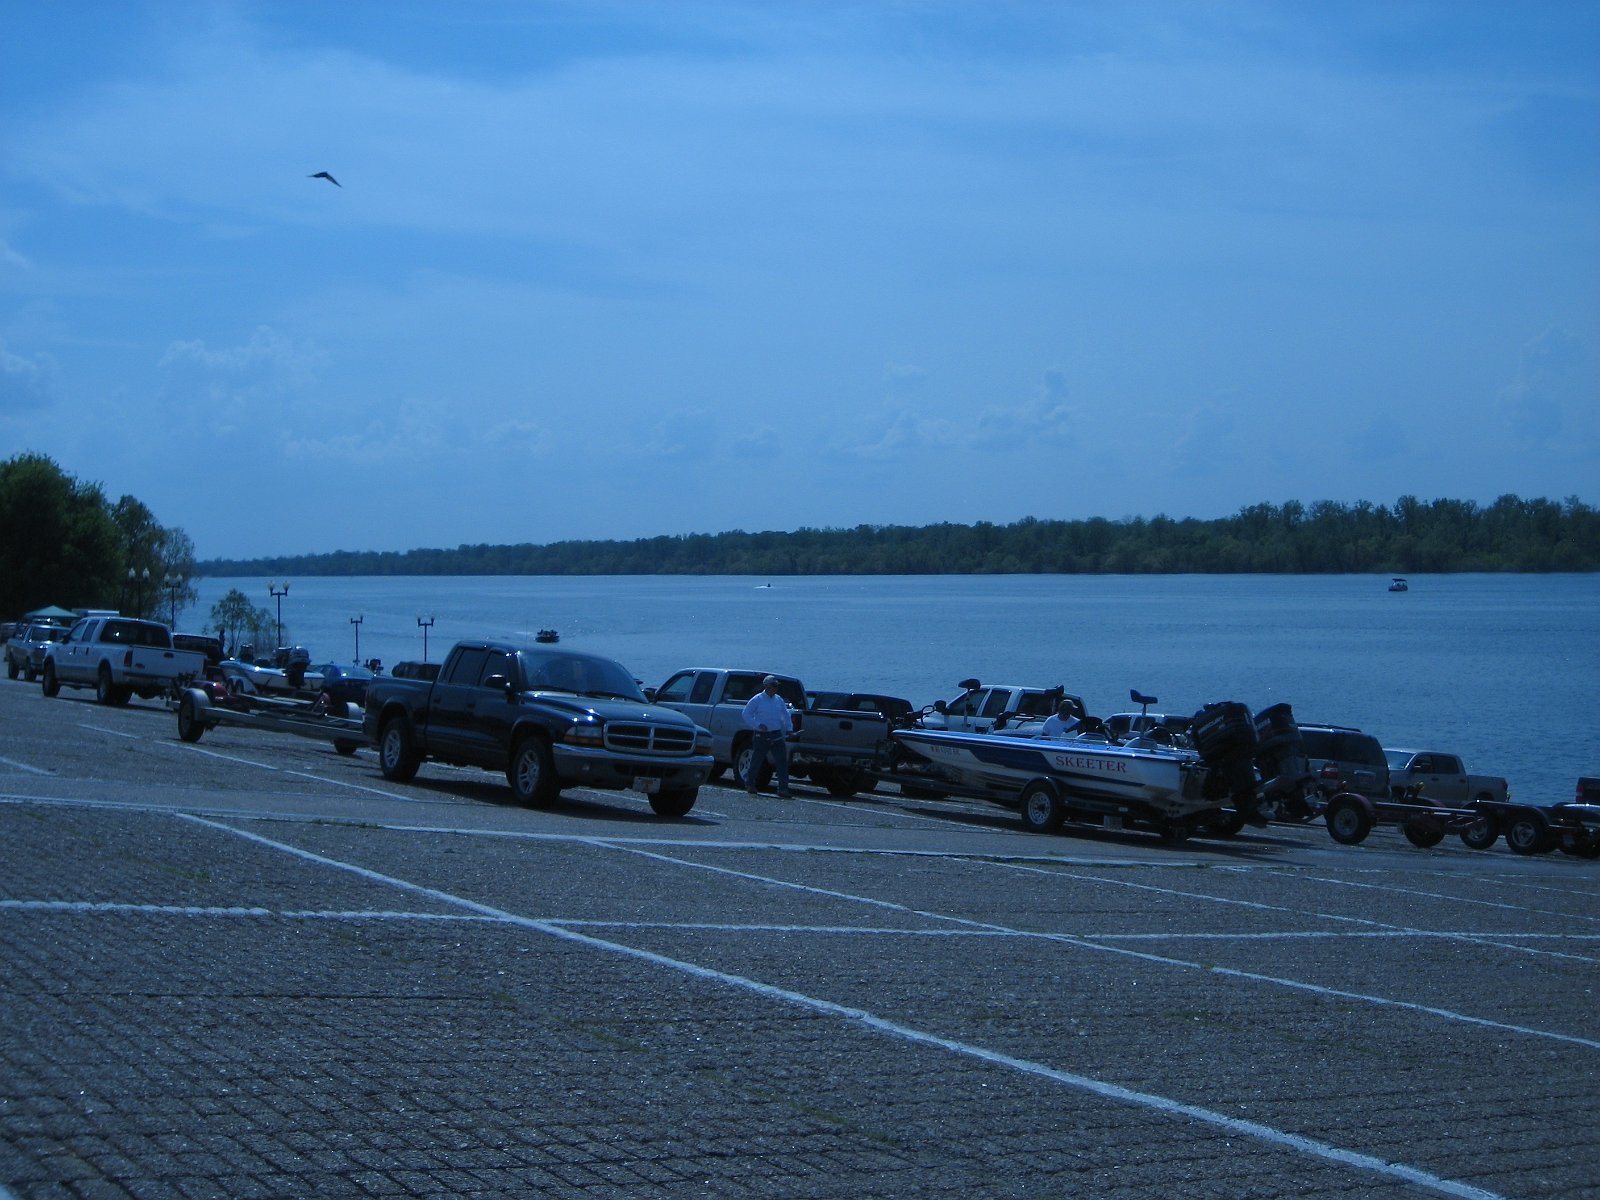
pixel 549 718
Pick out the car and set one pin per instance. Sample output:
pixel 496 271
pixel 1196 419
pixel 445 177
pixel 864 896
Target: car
pixel 1344 759
pixel 25 649
pixel 342 683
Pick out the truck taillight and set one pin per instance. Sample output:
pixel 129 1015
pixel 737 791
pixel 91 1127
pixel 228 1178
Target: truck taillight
pixel 1330 770
pixel 127 658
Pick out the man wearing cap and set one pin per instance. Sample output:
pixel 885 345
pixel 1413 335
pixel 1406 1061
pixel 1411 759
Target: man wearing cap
pixel 767 713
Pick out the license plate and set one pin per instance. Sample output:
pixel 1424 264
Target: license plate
pixel 648 784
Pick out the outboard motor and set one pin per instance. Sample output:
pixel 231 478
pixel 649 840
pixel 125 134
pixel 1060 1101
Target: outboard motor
pixel 1225 736
pixel 1282 761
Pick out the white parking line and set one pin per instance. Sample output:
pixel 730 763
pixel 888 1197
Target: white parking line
pixel 1473 938
pixel 1162 959
pixel 1109 1091
pixel 22 766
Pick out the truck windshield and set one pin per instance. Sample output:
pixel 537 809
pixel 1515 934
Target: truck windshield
pixel 582 674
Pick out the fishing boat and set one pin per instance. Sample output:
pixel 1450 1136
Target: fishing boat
pixel 1167 778
pixel 1399 585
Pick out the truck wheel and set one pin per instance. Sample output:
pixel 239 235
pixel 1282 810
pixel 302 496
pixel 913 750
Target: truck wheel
pixel 51 686
pixel 743 755
pixel 1227 825
pixel 674 802
pixel 1526 834
pixel 1348 820
pixel 397 751
pixel 1481 834
pixel 190 726
pixel 1581 845
pixel 345 747
pixel 1042 810
pixel 1422 836
pixel 532 774
pixel 105 691
pixel 29 674
pixel 11 669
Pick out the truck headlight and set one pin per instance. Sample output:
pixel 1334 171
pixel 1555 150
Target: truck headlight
pixel 587 732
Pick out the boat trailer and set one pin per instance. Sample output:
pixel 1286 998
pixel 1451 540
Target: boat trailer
pixel 206 705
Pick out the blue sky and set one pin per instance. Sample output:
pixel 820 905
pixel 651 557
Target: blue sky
pixel 612 270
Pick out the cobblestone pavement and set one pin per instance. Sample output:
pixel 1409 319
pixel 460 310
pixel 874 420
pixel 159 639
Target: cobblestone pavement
pixel 252 967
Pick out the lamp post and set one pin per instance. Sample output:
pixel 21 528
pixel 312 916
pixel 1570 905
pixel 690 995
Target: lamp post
pixel 425 624
pixel 278 594
pixel 356 621
pixel 173 585
pixel 137 582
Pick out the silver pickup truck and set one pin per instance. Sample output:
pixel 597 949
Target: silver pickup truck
pixel 119 657
pixel 714 699
pixel 1442 777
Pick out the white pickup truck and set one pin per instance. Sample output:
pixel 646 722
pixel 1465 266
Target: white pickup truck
pixel 986 707
pixel 1443 778
pixel 119 657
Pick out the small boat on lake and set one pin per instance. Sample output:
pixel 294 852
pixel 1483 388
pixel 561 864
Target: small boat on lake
pixel 1399 585
pixel 547 637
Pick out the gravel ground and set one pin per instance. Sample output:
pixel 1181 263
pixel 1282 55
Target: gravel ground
pixel 253 967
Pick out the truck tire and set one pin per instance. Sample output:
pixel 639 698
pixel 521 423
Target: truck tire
pixel 106 692
pixel 190 726
pixel 345 746
pixel 743 754
pixel 398 757
pixel 1348 820
pixel 1481 834
pixel 1042 809
pixel 1422 836
pixel 1527 833
pixel 11 668
pixel 51 686
pixel 674 802
pixel 532 774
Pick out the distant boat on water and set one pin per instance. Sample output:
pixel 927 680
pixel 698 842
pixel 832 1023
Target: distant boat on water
pixel 1399 585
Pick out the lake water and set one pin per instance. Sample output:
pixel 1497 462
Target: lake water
pixel 1502 669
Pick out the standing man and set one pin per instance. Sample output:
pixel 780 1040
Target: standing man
pixel 768 714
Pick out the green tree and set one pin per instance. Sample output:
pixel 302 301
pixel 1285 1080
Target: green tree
pixel 60 544
pixel 242 623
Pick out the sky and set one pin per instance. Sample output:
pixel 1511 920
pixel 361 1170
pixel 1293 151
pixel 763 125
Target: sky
pixel 618 269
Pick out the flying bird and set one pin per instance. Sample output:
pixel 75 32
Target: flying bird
pixel 325 175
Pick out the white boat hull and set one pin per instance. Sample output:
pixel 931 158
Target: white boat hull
pixel 1162 782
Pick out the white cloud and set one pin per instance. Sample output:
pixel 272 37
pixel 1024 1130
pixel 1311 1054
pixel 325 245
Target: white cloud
pixel 26 384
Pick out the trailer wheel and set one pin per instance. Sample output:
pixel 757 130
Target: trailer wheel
pixel 398 758
pixel 345 746
pixel 1526 833
pixel 532 774
pixel 1349 822
pixel 1422 836
pixel 674 802
pixel 1042 810
pixel 190 726
pixel 1481 834
pixel 1225 825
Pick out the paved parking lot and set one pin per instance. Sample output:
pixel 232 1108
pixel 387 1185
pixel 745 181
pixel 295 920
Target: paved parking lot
pixel 252 967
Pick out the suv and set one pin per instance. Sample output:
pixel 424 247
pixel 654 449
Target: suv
pixel 1345 760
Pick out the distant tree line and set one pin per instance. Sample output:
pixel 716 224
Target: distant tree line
pixel 1412 536
pixel 63 543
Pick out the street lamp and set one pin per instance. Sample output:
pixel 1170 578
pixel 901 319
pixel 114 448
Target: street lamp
pixel 137 582
pixel 356 621
pixel 278 594
pixel 425 624
pixel 173 585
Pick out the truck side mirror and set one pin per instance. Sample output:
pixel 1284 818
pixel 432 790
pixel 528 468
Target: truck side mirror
pixel 650 694
pixel 501 683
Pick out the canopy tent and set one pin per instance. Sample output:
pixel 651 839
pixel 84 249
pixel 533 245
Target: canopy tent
pixel 54 613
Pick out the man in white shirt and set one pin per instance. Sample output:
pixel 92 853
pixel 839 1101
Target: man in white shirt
pixel 767 713
pixel 1062 722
